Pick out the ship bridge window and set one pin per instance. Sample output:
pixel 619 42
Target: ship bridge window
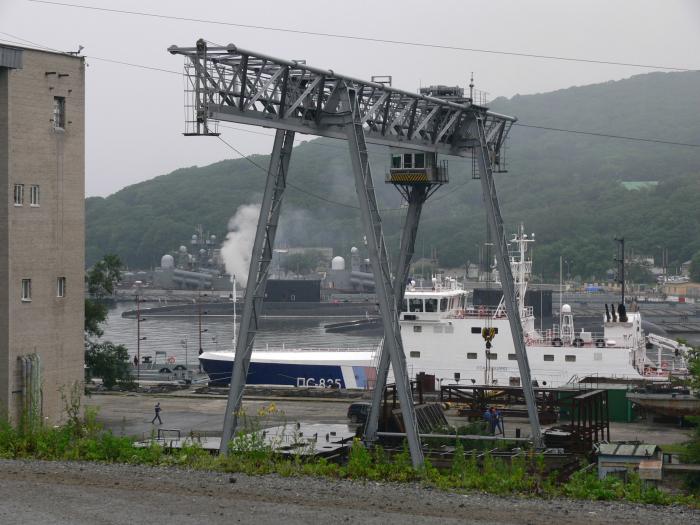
pixel 419 160
pixel 431 305
pixel 512 357
pixel 549 357
pixel 415 305
pixel 404 305
pixel 443 304
pixel 491 356
pixel 471 355
pixel 417 328
pixel 396 161
pixel 476 330
pixel 437 329
pixel 570 358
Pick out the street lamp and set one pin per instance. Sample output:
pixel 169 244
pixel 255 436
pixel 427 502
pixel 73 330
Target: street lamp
pixel 139 320
pixel 183 342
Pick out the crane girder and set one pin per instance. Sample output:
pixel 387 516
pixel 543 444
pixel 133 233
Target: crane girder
pixel 235 85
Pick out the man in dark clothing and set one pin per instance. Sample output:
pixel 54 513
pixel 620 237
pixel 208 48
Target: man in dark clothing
pixel 488 417
pixel 157 416
pixel 498 421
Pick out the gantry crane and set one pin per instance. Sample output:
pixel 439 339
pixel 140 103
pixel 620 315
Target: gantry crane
pixel 231 84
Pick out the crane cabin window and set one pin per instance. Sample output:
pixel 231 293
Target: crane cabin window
pixel 408 160
pixel 419 160
pixel 396 161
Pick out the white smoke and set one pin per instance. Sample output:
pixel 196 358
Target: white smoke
pixel 238 245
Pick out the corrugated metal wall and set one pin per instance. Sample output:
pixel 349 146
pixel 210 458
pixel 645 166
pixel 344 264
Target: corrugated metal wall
pixel 10 57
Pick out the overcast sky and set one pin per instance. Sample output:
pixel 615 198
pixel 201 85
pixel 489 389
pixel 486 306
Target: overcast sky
pixel 135 118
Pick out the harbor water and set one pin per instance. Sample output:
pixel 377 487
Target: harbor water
pixel 179 337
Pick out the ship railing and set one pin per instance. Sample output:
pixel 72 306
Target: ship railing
pixel 476 312
pixel 285 348
pixel 553 337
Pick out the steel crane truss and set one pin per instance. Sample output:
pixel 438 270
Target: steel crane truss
pixel 232 84
pixel 236 85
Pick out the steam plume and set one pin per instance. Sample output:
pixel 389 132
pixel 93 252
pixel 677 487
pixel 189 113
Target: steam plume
pixel 238 245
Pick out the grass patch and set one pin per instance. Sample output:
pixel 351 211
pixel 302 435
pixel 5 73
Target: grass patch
pixel 83 439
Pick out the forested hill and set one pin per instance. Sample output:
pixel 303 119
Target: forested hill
pixel 565 187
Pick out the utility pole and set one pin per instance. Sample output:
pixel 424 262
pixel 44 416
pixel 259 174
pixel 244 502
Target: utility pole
pixel 620 259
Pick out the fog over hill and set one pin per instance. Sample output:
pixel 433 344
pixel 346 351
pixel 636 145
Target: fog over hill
pixel 565 187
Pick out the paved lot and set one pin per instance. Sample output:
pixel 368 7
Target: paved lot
pixel 131 414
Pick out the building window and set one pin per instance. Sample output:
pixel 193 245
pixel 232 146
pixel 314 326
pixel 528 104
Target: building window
pixel 61 287
pixel 19 194
pixel 415 354
pixel 549 357
pixel 26 289
pixel 471 355
pixel 570 358
pixel 59 112
pixel 512 357
pixel 417 328
pixel 34 195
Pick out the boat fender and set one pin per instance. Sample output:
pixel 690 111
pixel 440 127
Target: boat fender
pixel 600 343
pixel 578 342
pixel 557 342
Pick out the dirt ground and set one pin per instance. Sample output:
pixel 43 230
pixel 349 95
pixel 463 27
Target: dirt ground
pixel 59 493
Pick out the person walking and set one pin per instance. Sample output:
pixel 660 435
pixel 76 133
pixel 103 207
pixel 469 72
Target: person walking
pixel 488 417
pixel 498 422
pixel 157 416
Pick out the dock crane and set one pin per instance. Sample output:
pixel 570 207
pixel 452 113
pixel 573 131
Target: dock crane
pixel 228 83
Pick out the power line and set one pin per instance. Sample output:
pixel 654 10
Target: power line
pixel 609 135
pixel 366 38
pixel 92 57
pixel 520 124
pixel 293 186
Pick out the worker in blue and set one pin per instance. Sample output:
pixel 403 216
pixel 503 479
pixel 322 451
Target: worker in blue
pixel 497 419
pixel 157 416
pixel 488 417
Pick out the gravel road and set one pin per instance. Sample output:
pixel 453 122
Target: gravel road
pixel 36 492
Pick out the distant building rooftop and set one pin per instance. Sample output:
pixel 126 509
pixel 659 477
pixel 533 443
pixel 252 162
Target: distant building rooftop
pixel 639 184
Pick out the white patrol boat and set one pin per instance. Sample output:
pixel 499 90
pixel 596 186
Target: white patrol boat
pixel 454 342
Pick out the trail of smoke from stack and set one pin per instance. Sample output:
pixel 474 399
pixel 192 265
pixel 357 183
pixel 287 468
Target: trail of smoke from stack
pixel 238 245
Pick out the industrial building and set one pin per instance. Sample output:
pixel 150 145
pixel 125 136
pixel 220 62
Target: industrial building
pixel 42 224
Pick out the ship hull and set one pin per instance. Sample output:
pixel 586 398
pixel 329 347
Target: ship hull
pixel 328 370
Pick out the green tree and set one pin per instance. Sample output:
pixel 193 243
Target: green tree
pixel 695 268
pixel 95 315
pixel 109 362
pixel 104 275
pixel 100 281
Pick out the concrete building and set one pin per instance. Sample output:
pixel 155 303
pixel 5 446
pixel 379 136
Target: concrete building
pixel 42 223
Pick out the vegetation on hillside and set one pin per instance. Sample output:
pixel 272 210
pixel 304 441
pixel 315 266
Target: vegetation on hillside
pixel 565 187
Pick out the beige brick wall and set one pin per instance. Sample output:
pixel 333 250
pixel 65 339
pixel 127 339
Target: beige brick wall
pixel 46 242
